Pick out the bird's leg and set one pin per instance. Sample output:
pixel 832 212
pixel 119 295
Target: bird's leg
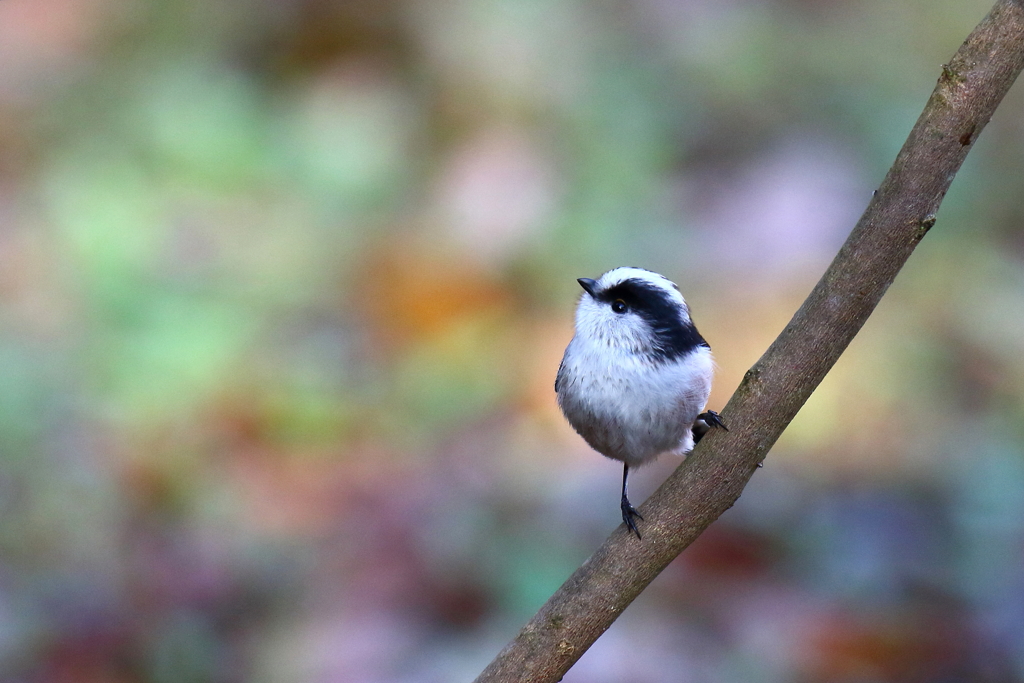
pixel 705 423
pixel 712 419
pixel 628 511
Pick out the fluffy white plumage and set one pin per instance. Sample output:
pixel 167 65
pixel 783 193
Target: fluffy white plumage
pixel 637 374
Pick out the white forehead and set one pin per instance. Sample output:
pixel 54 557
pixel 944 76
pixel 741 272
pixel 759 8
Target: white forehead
pixel 619 275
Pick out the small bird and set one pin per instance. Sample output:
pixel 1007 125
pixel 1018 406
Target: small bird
pixel 637 374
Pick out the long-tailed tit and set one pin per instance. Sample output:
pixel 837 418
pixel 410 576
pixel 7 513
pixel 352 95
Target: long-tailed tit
pixel 637 374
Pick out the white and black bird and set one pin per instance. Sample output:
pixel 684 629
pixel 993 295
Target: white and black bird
pixel 636 376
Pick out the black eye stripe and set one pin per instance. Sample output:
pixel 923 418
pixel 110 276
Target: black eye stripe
pixel 675 338
pixel 637 294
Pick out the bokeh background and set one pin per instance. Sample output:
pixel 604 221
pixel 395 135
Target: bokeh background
pixel 284 285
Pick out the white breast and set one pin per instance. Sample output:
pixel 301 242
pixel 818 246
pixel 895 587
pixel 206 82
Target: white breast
pixel 628 407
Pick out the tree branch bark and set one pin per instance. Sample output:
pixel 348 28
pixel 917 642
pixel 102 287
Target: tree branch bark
pixel 711 479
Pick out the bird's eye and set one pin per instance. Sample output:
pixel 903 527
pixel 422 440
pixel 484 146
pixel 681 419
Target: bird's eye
pixel 619 306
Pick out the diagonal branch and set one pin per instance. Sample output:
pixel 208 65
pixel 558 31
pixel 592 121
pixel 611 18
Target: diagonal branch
pixel 711 479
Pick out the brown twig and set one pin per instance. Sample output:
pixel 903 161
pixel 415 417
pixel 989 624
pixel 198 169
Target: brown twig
pixel 902 211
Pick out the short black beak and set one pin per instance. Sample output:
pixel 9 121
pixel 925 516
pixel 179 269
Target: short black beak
pixel 587 284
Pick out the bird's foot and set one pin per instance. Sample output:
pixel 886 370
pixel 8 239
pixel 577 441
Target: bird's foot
pixel 629 513
pixel 704 423
pixel 712 420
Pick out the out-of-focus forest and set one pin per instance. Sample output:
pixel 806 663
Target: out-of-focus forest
pixel 284 285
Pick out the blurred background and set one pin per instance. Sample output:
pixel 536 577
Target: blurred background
pixel 284 285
